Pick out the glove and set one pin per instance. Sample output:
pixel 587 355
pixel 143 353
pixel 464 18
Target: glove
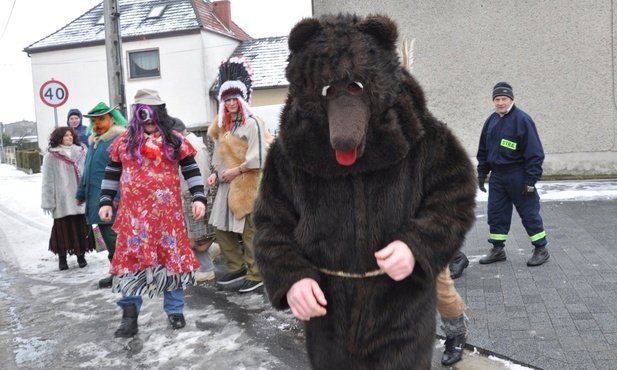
pixel 48 211
pixel 481 184
pixel 528 189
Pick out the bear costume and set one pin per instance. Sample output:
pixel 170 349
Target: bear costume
pixel 361 172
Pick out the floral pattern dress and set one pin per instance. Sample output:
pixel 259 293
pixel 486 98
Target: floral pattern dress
pixel 152 250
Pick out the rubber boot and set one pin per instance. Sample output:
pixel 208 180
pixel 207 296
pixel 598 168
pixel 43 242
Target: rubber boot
pixel 62 264
pixel 128 326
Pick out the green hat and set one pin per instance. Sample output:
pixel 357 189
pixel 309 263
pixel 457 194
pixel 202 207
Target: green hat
pixel 101 109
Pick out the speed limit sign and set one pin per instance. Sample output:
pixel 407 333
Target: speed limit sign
pixel 54 93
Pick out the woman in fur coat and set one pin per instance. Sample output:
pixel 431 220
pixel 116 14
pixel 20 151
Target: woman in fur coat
pixel 63 166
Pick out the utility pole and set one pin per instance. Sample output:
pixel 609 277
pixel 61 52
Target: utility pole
pixel 113 47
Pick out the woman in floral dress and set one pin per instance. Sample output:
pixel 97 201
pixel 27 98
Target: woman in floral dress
pixel 153 254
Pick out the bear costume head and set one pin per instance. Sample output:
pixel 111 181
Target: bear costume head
pixel 351 105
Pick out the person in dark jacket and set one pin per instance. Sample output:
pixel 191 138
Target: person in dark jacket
pixel 107 123
pixel 74 119
pixel 511 151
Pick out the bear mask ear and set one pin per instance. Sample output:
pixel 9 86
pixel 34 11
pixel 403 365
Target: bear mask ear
pixel 382 28
pixel 302 33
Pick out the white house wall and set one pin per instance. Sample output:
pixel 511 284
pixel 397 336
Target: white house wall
pixel 558 55
pixel 189 66
pixel 84 73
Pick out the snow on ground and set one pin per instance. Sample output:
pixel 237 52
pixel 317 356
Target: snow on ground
pixel 20 198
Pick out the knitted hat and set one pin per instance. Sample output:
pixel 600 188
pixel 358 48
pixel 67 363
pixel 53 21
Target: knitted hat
pixel 235 81
pixel 503 89
pixel 148 97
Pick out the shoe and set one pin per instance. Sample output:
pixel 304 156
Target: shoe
pixel 128 326
pixel 458 264
pixel 81 261
pixel 106 282
pixel 454 349
pixel 231 278
pixel 250 285
pixel 202 277
pixel 540 255
pixel 494 255
pixel 177 321
pixel 62 264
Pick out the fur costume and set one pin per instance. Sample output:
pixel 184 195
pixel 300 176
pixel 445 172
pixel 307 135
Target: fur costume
pixel 359 163
pixel 232 150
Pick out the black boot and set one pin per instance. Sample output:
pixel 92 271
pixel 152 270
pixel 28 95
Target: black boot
pixel 458 264
pixel 454 349
pixel 496 254
pixel 540 255
pixel 128 326
pixel 62 264
pixel 106 282
pixel 176 320
pixel 81 261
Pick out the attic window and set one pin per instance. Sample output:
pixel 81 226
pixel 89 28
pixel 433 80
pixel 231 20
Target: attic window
pixel 101 20
pixel 156 11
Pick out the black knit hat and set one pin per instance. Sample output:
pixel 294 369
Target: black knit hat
pixel 503 89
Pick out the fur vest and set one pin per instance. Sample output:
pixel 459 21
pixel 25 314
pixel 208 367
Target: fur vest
pixel 232 151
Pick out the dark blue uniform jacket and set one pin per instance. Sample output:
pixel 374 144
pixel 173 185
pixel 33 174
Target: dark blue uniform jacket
pixel 510 143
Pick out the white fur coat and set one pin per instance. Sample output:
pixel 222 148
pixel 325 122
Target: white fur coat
pixel 60 181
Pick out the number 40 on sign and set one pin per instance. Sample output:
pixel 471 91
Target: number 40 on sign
pixel 54 93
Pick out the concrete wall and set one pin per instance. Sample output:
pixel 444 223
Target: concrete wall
pixel 558 55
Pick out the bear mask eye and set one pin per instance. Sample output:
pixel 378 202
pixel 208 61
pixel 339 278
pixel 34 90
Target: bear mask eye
pixel 354 88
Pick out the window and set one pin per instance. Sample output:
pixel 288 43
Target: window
pixel 144 64
pixel 156 11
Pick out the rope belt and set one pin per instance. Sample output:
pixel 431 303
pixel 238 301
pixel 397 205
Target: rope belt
pixel 352 275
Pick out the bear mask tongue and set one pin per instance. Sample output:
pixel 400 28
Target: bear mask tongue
pixel 346 157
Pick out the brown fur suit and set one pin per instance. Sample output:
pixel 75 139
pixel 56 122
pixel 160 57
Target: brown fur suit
pixel 360 162
pixel 232 150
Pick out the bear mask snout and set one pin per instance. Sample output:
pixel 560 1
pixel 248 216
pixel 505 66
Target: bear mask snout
pixel 348 117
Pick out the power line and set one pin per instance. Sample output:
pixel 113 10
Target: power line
pixel 8 20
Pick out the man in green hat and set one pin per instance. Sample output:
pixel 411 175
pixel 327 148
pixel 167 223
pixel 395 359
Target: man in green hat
pixel 105 124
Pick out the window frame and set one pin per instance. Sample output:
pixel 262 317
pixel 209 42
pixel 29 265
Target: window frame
pixel 131 64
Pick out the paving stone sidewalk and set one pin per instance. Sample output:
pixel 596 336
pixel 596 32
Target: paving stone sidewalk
pixel 558 316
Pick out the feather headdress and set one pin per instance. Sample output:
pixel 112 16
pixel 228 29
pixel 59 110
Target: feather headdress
pixel 235 82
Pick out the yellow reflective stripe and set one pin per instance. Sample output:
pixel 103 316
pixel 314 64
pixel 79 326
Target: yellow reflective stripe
pixel 500 237
pixel 538 236
pixel 508 144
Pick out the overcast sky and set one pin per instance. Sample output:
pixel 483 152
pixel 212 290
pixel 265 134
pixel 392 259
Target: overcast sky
pixel 23 22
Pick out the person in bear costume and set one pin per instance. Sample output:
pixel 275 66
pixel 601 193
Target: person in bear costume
pixel 364 199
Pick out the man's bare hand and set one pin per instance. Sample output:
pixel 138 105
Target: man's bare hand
pixel 105 213
pixel 396 260
pixel 306 300
pixel 199 210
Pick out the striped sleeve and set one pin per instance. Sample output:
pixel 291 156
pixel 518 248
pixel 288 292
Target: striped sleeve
pixel 190 172
pixel 110 184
